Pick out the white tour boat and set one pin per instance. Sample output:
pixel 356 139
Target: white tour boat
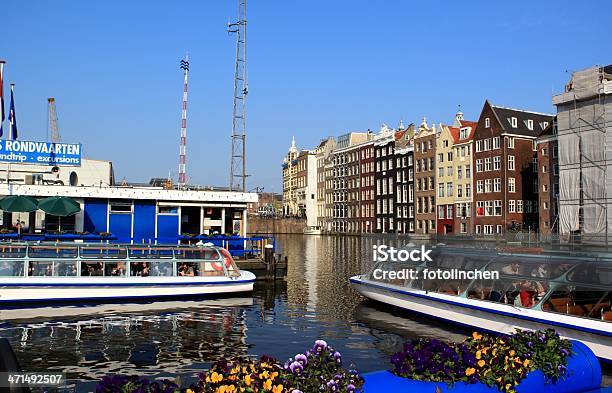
pixel 571 294
pixel 67 272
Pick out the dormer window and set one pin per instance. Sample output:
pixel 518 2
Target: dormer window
pixel 544 125
pixel 487 122
pixel 463 133
pixel 513 122
pixel 530 124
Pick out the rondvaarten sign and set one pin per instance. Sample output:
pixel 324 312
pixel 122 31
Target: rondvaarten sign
pixel 41 153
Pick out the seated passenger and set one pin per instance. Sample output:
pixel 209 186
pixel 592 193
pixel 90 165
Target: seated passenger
pixel 512 269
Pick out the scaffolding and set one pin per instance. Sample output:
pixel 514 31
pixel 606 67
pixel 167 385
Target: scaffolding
pixel 584 131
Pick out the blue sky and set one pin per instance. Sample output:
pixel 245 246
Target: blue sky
pixel 316 68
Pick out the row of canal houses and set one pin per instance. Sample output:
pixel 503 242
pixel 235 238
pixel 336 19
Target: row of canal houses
pixel 487 177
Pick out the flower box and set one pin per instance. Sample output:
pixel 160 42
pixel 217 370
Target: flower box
pixel 584 375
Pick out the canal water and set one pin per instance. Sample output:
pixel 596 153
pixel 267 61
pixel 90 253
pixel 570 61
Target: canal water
pixel 184 337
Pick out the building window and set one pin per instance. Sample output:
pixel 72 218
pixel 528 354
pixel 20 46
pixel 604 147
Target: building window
pixel 440 189
pixel 530 124
pixel 519 206
pixel 463 227
pixel 487 144
pixel 511 206
pixel 487 162
pixel 488 208
pixel 487 122
pixel 496 142
pixel 480 208
pixel 544 169
pixel 544 188
pixel 510 140
pixel 510 163
pixel 488 185
pixel 479 165
pixel 459 191
pixel 449 211
pixel 498 208
pixel 545 205
pixel 544 152
pixel 459 172
pixel 449 171
pixel 479 187
pixel 497 185
pixel 513 122
pixel 478 146
pixel 449 189
pixel 511 184
pixel 496 163
pixel 499 229
pixel 468 171
pixel 441 212
pixel 440 157
pixel 478 229
pixel 468 190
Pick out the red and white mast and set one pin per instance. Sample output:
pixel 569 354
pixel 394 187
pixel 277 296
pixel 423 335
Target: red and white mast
pixel 182 175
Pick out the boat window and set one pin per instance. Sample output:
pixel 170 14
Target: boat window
pixel 52 252
pixel 188 269
pixel 52 268
pixel 142 269
pixel 580 301
pixel 209 254
pixel 520 266
pixel 518 292
pixel 160 269
pixel 92 269
pixel 12 251
pixel 592 273
pixel 103 252
pixel 150 253
pixel 11 268
pixel 114 269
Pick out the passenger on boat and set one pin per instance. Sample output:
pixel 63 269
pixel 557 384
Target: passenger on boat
pixel 185 270
pixel 512 269
pixel 541 272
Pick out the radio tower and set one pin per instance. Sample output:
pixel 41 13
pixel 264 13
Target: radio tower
pixel 52 131
pixel 182 176
pixel 238 157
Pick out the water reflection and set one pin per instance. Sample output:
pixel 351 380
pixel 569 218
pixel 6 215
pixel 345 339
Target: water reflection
pixel 183 337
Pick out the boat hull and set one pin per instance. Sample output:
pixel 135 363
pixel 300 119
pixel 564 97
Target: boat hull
pixel 60 289
pixel 465 312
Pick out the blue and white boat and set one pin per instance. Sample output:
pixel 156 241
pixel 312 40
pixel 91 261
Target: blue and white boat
pixel 570 293
pixel 67 272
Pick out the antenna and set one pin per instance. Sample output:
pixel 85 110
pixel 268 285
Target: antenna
pixel 52 118
pixel 237 181
pixel 182 177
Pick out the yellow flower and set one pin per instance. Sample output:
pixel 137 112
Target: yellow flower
pixel 508 385
pixel 512 352
pixel 476 336
pixel 469 371
pixel 481 363
pixel 478 355
pixel 274 374
pixel 498 379
pixel 247 380
pixel 277 389
pixel 189 391
pixel 484 350
pixel 215 377
pixel 267 385
pixel 526 363
pixel 263 375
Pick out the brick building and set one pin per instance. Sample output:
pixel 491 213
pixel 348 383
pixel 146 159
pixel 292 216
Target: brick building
pixel 367 216
pixel 424 173
pixel 384 159
pixel 404 181
pixel 548 179
pixel 505 162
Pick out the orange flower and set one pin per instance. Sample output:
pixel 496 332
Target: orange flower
pixel 469 371
pixel 277 389
pixel 476 336
pixel 526 363
pixel 267 385
pixel 481 363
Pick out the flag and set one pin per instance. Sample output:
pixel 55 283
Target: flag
pixel 1 96
pixel 12 117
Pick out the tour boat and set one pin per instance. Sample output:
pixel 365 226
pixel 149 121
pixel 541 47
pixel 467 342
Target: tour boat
pixel 55 273
pixel 569 293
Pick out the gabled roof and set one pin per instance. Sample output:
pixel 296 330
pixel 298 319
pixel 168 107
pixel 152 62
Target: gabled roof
pixel 456 131
pixel 505 115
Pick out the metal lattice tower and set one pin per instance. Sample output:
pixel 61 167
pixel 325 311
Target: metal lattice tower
pixel 238 155
pixel 182 175
pixel 53 131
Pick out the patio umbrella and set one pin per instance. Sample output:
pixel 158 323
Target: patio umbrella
pixel 59 206
pixel 18 204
